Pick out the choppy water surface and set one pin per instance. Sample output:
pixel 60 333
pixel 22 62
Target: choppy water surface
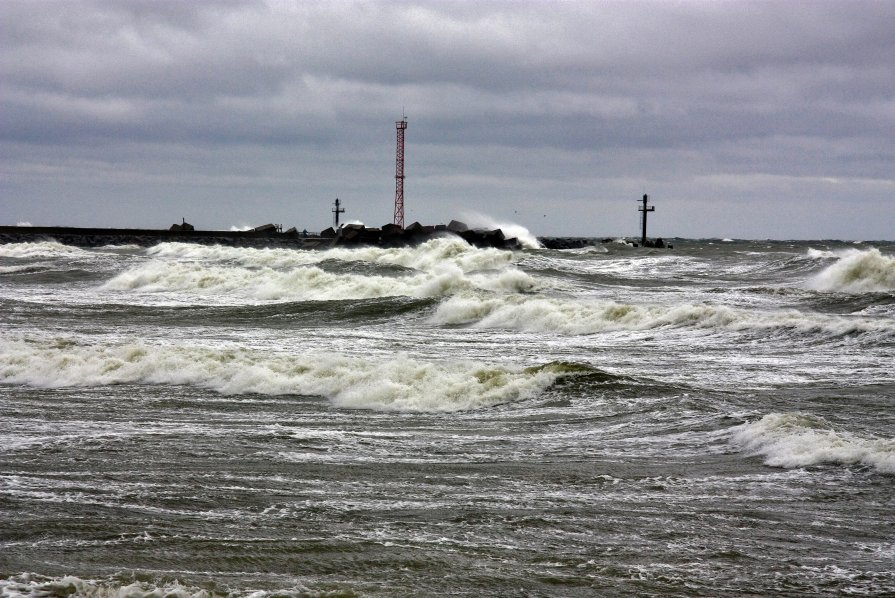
pixel 712 420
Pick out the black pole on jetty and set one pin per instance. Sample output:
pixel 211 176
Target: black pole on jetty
pixel 336 211
pixel 645 209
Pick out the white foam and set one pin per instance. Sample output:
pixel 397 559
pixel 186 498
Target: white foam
pixel 856 271
pixel 799 440
pixel 14 269
pixel 31 585
pixel 437 268
pixel 821 254
pixel 590 249
pixel 573 317
pixel 41 249
pixel 423 257
pixel 398 383
pixel 308 283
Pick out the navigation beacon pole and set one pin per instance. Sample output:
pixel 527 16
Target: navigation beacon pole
pixel 401 126
pixel 645 209
pixel 336 211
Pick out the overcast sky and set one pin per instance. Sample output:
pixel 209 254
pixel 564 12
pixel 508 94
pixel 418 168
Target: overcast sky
pixel 739 119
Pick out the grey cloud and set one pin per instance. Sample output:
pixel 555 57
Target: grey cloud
pixel 596 91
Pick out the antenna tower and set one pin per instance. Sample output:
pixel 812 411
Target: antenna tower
pixel 645 210
pixel 401 126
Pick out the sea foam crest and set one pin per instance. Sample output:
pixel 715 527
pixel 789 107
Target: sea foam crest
pixel 16 269
pixel 436 268
pixel 399 383
pixel 42 249
pixel 856 271
pixel 572 317
pixel 309 283
pixel 799 440
pixel 426 256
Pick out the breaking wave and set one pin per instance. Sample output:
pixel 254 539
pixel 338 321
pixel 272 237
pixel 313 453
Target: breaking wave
pixel 799 440
pixel 42 249
pixel 437 268
pixel 398 383
pixel 426 256
pixel 856 271
pixel 541 314
pixel 309 283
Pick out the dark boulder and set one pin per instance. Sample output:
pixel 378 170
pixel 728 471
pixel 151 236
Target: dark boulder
pixel 182 227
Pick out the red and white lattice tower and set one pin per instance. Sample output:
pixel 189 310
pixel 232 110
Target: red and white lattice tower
pixel 401 126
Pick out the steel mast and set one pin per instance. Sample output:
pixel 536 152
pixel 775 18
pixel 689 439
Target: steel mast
pixel 401 126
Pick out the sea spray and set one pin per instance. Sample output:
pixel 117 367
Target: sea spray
pixel 510 229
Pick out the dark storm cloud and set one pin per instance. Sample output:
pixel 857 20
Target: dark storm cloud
pixel 595 91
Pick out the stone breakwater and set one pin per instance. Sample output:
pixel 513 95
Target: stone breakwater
pixel 391 235
pixel 264 236
pixel 98 237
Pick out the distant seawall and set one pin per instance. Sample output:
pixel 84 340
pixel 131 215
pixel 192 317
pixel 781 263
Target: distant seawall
pixel 268 236
pixel 97 237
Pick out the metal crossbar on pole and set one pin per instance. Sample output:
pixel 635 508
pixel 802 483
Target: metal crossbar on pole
pixel 645 210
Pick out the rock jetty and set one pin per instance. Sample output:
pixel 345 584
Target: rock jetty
pixel 391 235
pixel 269 235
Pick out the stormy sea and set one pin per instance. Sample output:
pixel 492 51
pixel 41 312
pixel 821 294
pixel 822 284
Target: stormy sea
pixel 716 419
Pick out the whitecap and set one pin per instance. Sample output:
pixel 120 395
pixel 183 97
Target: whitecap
pixel 821 254
pixel 857 271
pixel 397 383
pixel 449 249
pixel 578 317
pixel 440 267
pixel 308 283
pixel 798 440
pixel 42 249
